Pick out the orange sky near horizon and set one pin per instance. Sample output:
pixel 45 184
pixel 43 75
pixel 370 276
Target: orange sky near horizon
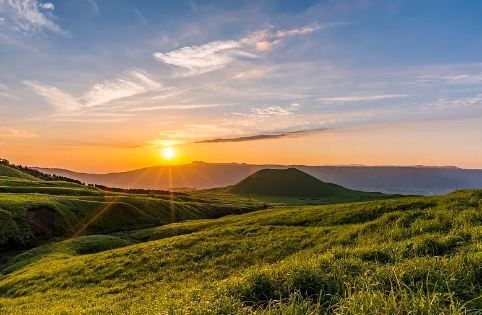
pixel 415 143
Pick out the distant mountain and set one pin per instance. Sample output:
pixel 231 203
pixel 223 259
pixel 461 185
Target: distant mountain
pixel 289 182
pixel 388 179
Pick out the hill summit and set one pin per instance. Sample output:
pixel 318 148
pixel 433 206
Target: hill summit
pixel 289 182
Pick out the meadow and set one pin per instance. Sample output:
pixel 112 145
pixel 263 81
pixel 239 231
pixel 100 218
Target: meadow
pixel 68 248
pixel 419 255
pixel 33 211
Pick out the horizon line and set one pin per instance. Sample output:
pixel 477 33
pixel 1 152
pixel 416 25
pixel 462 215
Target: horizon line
pixel 255 164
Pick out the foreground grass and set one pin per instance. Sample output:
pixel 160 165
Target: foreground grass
pixel 406 256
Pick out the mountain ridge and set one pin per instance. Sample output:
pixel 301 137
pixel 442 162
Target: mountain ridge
pixel 426 180
pixel 259 165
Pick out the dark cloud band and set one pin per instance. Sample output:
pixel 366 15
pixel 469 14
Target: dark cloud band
pixel 265 136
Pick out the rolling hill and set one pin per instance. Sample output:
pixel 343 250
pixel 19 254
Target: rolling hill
pixel 411 180
pixel 417 255
pixel 68 248
pixel 33 211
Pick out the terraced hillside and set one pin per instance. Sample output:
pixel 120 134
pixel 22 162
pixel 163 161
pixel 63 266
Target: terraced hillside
pixel 419 255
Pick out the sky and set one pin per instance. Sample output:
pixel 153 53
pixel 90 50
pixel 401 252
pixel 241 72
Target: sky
pixel 104 85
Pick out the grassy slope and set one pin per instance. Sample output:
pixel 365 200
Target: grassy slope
pixel 73 206
pixel 294 187
pixel 6 171
pixel 421 255
pixel 287 182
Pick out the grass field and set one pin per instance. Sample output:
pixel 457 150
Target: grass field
pixel 418 255
pixel 33 211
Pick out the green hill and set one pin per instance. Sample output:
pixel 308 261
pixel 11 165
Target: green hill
pixel 286 183
pixel 294 186
pixel 34 211
pixel 8 171
pixel 418 255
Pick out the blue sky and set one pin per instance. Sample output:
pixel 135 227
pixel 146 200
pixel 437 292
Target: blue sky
pixel 139 74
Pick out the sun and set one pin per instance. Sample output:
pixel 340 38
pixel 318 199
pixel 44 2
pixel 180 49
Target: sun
pixel 168 153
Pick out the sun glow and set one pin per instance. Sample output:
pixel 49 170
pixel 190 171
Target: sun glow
pixel 168 153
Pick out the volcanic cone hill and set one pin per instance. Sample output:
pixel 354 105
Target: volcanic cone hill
pixel 291 182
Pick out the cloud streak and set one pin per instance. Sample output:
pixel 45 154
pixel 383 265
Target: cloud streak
pixel 4 93
pixel 14 133
pixel 462 79
pixel 265 136
pixel 204 58
pixel 29 16
pixel 133 83
pixel 218 54
pixel 360 98
pixel 94 6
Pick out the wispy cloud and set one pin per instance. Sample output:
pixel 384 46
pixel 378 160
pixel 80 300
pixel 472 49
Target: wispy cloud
pixel 218 54
pixel 204 58
pixel 4 92
pixel 61 100
pixel 360 98
pixel 271 111
pixel 457 103
pixel 257 122
pixel 8 95
pixel 29 16
pixel 14 133
pixel 141 17
pixel 94 6
pixel 195 131
pixel 176 107
pixel 253 73
pixel 275 135
pixel 133 83
pixel 298 31
pixel 464 78
pixel 267 38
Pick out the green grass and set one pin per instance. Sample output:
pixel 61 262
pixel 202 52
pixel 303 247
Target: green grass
pixel 294 201
pixel 33 211
pixel 6 171
pixel 418 255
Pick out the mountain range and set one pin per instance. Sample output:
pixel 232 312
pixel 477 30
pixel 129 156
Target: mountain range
pixel 420 180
